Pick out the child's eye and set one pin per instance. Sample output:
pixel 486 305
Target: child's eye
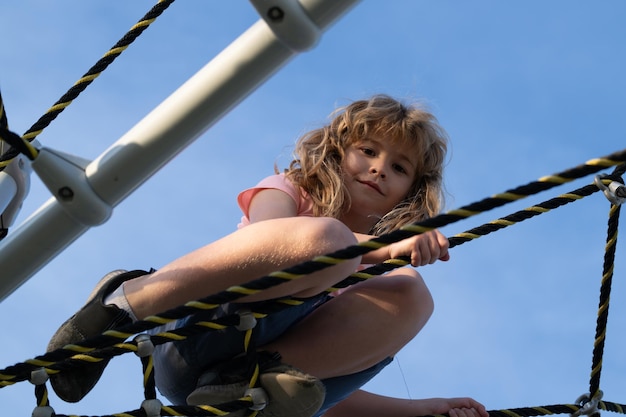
pixel 368 151
pixel 399 168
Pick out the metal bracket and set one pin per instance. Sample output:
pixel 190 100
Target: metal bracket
pixel 615 192
pixel 588 406
pixel 65 177
pixel 289 22
pixel 14 187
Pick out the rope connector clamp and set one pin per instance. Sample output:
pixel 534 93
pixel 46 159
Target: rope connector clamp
pixel 615 192
pixel 39 376
pixel 152 407
pixel 588 406
pixel 43 411
pixel 247 320
pixel 145 347
pixel 259 398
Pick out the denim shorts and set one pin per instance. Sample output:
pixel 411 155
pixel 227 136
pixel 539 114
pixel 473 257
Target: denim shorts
pixel 178 365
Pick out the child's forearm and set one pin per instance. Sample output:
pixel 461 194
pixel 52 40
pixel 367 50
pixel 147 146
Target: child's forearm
pixel 373 257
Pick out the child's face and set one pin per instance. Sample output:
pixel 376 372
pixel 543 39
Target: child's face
pixel 378 175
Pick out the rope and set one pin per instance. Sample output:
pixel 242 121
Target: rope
pixel 485 229
pixel 111 343
pixel 3 116
pixel 93 73
pixel 4 124
pixel 605 295
pixel 226 408
pixel 18 145
pixel 149 385
pixel 91 354
pixel 527 213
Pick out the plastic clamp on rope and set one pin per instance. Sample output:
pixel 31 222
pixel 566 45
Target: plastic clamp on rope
pixel 615 192
pixel 39 376
pixel 259 398
pixel 145 347
pixel 43 411
pixel 247 320
pixel 588 406
pixel 152 407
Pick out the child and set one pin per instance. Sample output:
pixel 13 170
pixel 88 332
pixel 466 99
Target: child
pixel 376 167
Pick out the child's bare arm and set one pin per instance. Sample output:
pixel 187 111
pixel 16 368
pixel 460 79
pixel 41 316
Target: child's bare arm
pixel 271 204
pixel 423 249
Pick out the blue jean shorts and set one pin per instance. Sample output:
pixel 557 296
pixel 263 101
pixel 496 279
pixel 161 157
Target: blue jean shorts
pixel 178 365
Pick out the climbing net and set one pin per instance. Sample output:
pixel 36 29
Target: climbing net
pixel 118 341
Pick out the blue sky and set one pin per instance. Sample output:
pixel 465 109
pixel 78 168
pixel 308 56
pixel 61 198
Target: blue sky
pixel 524 89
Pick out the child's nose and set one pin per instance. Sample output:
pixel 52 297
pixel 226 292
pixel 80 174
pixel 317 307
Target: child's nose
pixel 377 170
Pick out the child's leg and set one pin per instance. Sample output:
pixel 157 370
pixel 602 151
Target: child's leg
pixel 345 341
pixel 361 327
pixel 242 256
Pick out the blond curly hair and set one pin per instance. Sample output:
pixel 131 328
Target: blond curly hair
pixel 318 154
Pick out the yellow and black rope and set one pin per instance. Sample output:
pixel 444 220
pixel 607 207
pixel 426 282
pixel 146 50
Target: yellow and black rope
pixel 17 144
pixel 226 408
pixel 112 342
pixel 605 296
pixel 3 117
pixel 150 390
pixel 542 184
pixel 93 73
pixel 527 213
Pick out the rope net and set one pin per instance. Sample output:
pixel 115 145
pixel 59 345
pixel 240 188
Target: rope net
pixel 116 342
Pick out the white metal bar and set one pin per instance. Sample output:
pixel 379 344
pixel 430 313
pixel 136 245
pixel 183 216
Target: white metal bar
pixel 8 191
pixel 14 186
pixel 160 136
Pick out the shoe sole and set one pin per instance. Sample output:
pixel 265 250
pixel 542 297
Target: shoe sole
pixel 291 393
pixel 73 384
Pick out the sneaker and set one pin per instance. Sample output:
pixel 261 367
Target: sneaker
pixel 91 320
pixel 290 391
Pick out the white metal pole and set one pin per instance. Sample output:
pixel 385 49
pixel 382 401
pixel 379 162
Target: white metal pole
pixel 167 130
pixel 8 190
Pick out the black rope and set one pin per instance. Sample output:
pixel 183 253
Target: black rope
pixel 220 409
pixel 104 344
pixel 102 64
pixel 605 296
pixel 557 202
pixel 3 116
pixel 149 383
pixel 17 144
